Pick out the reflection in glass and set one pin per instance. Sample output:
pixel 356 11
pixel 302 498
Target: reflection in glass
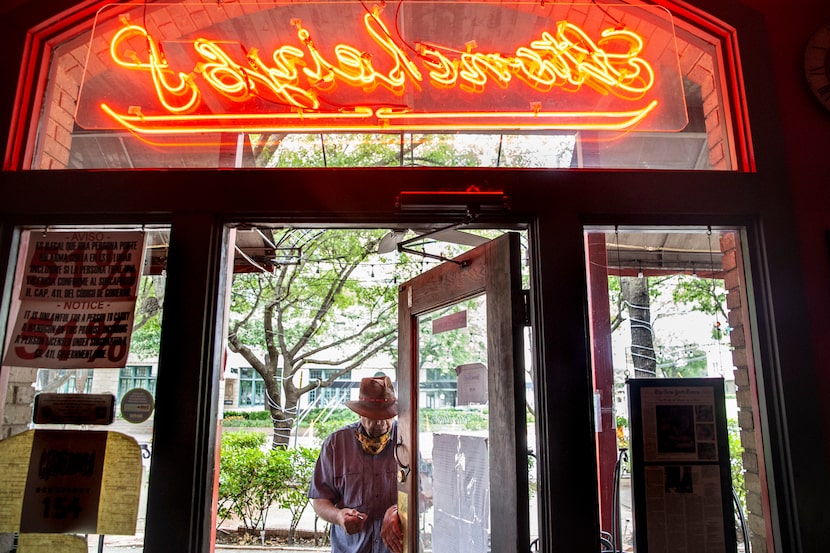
pixel 454 480
pixel 660 300
pixel 140 371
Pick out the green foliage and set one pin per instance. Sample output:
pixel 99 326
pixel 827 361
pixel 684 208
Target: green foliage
pixel 469 419
pixel 736 451
pixel 701 294
pixel 241 422
pixel 233 441
pixel 304 285
pixel 410 149
pixel 249 415
pixel 145 343
pixel 444 351
pixel 688 361
pixel 145 339
pixel 704 295
pixel 319 306
pixel 326 421
pixel 247 419
pixel 294 495
pixel 252 479
pixel 374 150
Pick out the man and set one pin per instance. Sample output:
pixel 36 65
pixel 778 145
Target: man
pixel 354 486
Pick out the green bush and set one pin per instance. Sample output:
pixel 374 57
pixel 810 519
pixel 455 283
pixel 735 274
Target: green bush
pixel 736 460
pixel 242 440
pixel 252 479
pixel 469 419
pixel 326 421
pixel 294 494
pixel 263 415
pixel 238 422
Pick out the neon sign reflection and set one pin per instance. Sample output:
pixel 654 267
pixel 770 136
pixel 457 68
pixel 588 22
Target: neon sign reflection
pixel 296 83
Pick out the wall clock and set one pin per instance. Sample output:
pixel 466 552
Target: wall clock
pixel 817 64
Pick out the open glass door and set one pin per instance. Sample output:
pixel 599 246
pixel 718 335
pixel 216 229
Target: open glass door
pixel 463 480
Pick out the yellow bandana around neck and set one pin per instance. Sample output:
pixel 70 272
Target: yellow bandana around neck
pixel 371 445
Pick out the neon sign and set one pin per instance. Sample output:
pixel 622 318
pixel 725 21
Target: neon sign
pixel 559 78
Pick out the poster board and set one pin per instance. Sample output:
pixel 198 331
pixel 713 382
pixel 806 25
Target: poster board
pixel 461 493
pixel 681 482
pixel 77 300
pixel 69 481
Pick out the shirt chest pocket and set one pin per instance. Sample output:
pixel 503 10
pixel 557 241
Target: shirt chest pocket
pixel 351 486
pixel 368 491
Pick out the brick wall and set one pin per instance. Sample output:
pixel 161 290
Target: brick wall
pixel 17 412
pixel 747 392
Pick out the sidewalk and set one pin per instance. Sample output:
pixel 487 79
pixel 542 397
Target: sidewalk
pixel 280 519
pixel 277 519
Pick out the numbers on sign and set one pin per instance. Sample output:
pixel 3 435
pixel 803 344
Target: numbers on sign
pixel 115 350
pixel 121 275
pixel 33 333
pixel 107 336
pixel 68 331
pixel 61 507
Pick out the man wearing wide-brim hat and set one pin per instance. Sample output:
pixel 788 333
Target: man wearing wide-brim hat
pixel 354 486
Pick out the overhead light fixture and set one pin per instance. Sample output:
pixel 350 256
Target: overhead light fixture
pixel 389 242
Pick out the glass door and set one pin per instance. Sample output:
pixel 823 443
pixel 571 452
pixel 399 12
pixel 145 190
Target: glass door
pixel 463 475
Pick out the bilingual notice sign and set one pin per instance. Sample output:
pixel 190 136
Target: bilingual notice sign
pixel 77 300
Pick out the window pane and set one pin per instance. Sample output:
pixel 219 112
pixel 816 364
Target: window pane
pixel 659 299
pixel 85 337
pixel 74 132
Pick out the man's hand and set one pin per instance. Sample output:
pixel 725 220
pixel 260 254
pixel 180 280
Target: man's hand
pixel 352 520
pixel 390 530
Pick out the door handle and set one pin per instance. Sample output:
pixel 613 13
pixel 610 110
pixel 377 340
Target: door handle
pixel 404 470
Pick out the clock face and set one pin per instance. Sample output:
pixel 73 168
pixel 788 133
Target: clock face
pixel 817 64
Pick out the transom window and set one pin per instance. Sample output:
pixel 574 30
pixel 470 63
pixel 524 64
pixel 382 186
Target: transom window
pixel 236 95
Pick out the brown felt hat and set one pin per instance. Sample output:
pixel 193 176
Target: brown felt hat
pixel 377 399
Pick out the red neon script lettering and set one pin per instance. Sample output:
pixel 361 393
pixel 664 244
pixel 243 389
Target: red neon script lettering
pixel 296 77
pixel 179 97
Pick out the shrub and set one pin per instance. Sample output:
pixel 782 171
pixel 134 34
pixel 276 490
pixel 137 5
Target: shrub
pixel 736 451
pixel 250 479
pixel 242 440
pixel 326 421
pixel 247 418
pixel 294 493
pixel 470 419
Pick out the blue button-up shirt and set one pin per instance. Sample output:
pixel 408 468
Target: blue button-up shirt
pixel 352 478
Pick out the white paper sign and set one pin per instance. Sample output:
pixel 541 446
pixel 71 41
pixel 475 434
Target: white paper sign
pixel 77 300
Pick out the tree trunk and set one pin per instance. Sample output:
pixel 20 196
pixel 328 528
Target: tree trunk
pixel 285 416
pixel 81 377
pixel 283 423
pixel 635 292
pixel 50 385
